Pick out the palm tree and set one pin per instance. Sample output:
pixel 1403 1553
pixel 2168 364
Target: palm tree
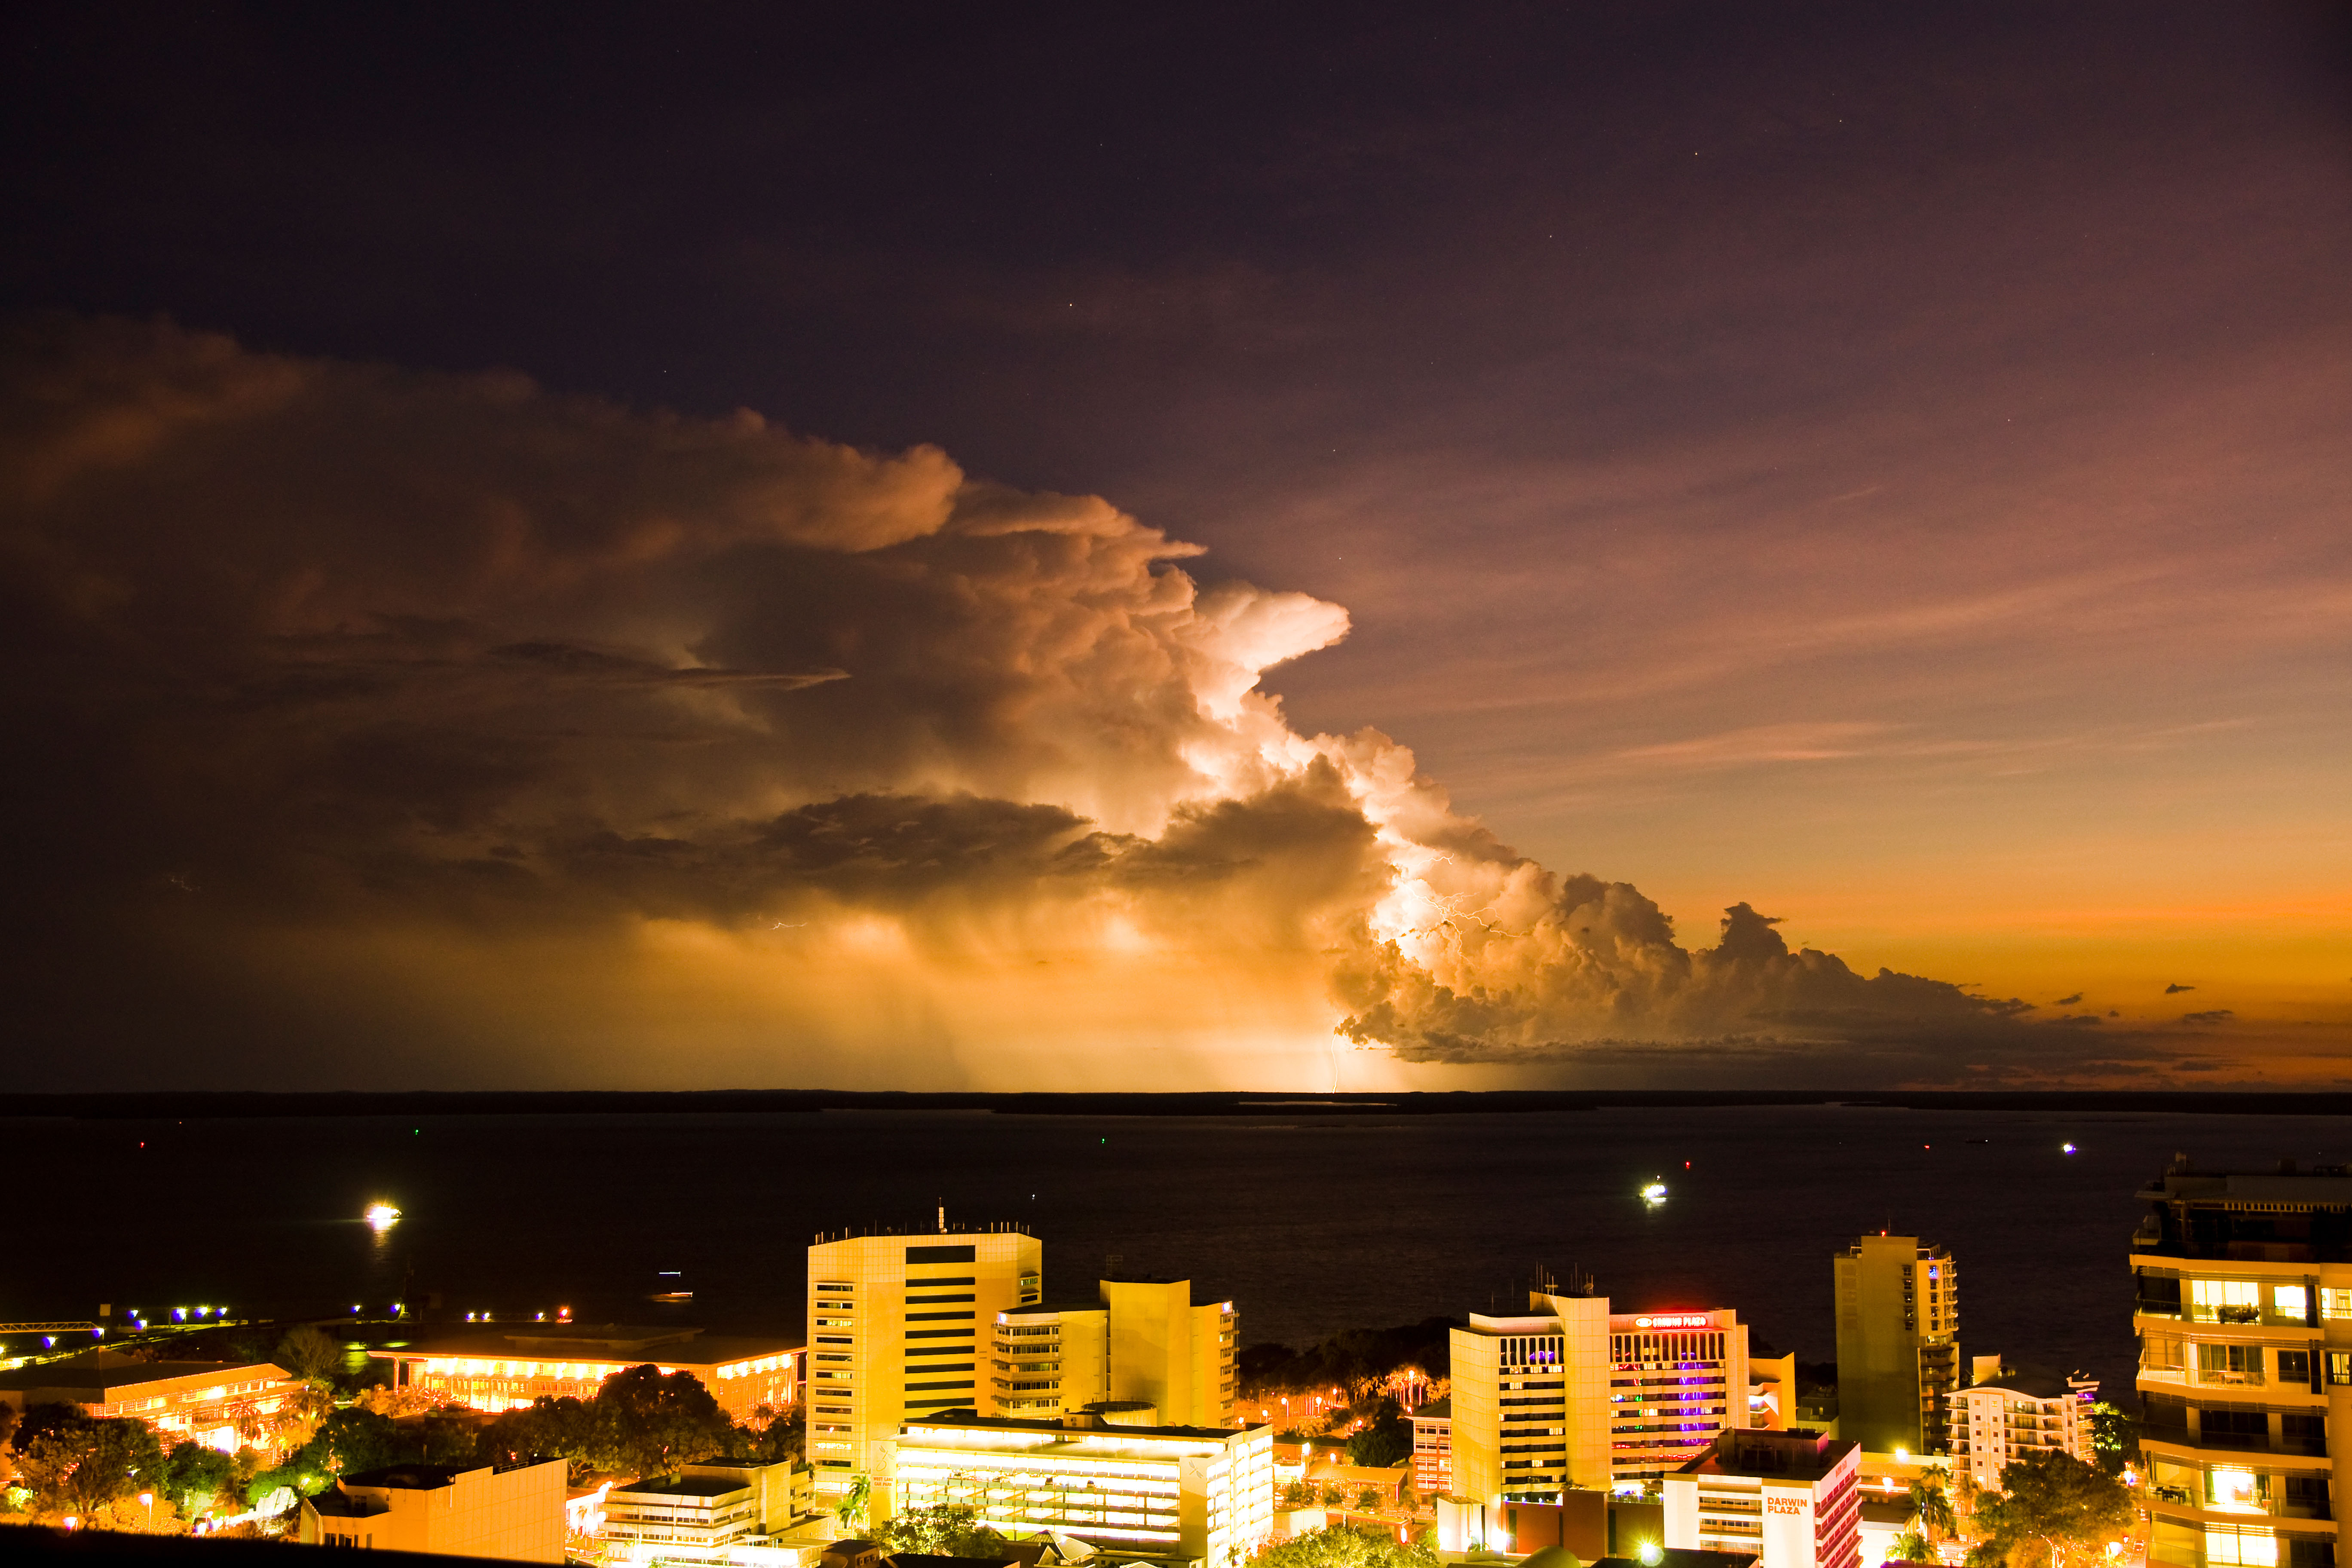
pixel 1931 1507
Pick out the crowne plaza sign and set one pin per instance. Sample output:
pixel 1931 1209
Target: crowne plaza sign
pixel 1673 1321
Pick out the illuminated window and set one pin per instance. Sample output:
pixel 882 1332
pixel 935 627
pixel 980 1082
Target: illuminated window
pixel 2290 1301
pixel 2334 1302
pixel 2226 1545
pixel 2225 1301
pixel 2233 1491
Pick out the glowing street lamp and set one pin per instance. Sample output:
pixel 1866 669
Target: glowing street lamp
pixel 382 1217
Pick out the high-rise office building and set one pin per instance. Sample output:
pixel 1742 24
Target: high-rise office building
pixel 1572 1395
pixel 1145 1342
pixel 1898 1343
pixel 2244 1319
pixel 894 1332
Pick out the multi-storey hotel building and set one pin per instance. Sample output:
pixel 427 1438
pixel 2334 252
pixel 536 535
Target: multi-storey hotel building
pixel 1898 1343
pixel 895 1334
pixel 2245 1318
pixel 1572 1395
pixel 1141 1340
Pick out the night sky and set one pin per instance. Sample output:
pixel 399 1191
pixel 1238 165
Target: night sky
pixel 1163 547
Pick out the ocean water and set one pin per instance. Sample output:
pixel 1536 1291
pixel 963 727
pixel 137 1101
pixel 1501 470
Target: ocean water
pixel 1311 1223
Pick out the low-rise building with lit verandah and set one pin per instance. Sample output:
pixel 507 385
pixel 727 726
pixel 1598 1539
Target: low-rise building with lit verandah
pixel 221 1405
pixel 493 1368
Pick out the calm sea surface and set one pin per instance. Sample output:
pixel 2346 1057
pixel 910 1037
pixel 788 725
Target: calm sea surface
pixel 1312 1223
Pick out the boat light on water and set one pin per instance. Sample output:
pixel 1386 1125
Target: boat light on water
pixel 1654 1193
pixel 381 1215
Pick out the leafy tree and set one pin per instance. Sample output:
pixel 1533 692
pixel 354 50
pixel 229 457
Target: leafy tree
pixel 1368 1500
pixel 768 1438
pixel 312 1359
pixel 350 1441
pixel 1911 1547
pixel 948 1530
pixel 649 1421
pixel 2054 1509
pixel 1387 1440
pixel 554 1428
pixel 77 1466
pixel 8 1454
pixel 1347 1546
pixel 309 1354
pixel 196 1476
pixel 1350 1358
pixel 1332 1496
pixel 1298 1494
pixel 2115 1438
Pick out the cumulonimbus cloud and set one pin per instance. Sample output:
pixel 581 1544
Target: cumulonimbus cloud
pixel 303 643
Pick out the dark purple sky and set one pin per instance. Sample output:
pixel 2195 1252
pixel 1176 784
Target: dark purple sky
pixel 1889 464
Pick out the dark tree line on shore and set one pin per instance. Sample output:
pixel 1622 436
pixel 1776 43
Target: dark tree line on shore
pixel 1349 1358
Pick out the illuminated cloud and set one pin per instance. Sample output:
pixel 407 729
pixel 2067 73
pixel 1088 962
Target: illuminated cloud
pixel 487 733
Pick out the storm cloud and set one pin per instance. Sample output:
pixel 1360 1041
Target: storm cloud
pixel 483 732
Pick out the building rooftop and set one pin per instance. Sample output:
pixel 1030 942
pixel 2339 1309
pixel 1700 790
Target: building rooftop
pixel 416 1478
pixel 2030 1382
pixel 1682 1557
pixel 964 1421
pixel 97 1371
pixel 1798 1454
pixel 682 1486
pixel 1435 1410
pixel 612 1342
pixel 2287 1214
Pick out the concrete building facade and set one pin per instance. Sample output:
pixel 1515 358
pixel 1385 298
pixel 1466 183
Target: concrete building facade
pixel 515 1511
pixel 2013 1417
pixel 2244 1319
pixel 1138 1341
pixel 1572 1395
pixel 1898 1347
pixel 705 1514
pixel 894 1334
pixel 1139 1489
pixel 1432 1448
pixel 1791 1498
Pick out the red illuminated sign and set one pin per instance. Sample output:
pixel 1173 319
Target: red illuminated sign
pixel 1673 1321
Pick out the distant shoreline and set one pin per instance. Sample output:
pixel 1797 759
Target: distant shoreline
pixel 214 1104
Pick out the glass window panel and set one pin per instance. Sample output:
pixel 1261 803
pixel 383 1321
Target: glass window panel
pixel 2290 1301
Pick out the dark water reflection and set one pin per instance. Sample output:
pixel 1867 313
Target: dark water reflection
pixel 1311 1225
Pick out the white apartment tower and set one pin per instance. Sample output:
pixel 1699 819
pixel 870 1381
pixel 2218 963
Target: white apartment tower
pixel 894 1333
